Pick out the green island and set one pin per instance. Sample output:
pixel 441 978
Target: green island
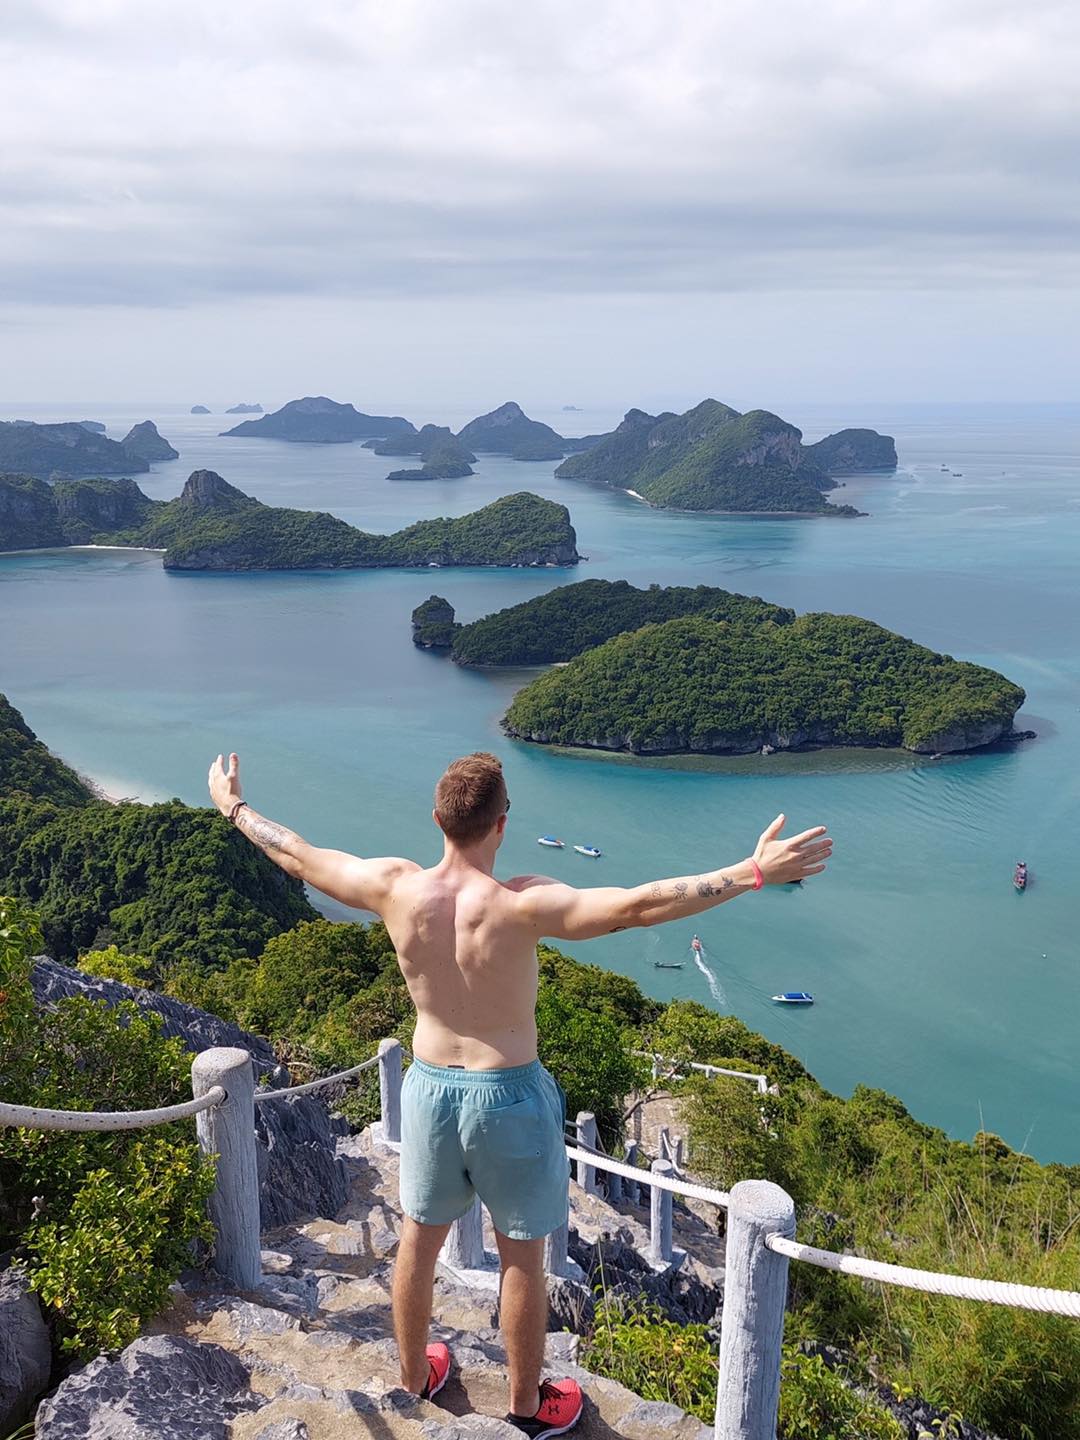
pixel 509 431
pixel 317 420
pixel 168 902
pixel 213 526
pixel 557 626
pixel 708 686
pixel 713 458
pixel 69 450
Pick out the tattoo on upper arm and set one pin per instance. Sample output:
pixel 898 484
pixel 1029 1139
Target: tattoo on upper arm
pixel 681 890
pixel 264 832
pixel 657 890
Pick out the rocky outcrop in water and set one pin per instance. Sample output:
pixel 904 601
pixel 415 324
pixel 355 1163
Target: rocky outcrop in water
pixel 851 451
pixel 433 624
pixel 200 410
pixel 144 441
pixel 244 410
pixel 509 431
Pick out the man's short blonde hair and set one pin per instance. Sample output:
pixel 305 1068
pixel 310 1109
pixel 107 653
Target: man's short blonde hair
pixel 470 797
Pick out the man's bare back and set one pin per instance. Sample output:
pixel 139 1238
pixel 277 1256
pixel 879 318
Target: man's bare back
pixel 466 941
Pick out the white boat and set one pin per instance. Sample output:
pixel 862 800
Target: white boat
pixel 550 840
pixel 590 850
pixel 794 997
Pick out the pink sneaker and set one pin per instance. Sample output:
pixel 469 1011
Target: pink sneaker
pixel 438 1370
pixel 560 1410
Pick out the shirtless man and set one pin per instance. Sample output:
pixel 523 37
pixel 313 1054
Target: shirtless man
pixel 480 1114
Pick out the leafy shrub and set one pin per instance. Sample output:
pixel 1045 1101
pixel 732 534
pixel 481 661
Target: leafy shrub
pixel 118 1210
pixel 112 964
pixel 815 1404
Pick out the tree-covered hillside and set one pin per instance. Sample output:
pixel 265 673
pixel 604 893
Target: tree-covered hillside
pixel 564 622
pixel 705 686
pixel 213 526
pixel 713 458
pixel 159 880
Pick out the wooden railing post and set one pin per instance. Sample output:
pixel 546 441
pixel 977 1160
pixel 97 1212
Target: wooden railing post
pixel 660 1215
pixel 752 1321
pixel 390 1090
pixel 586 1138
pixel 228 1131
pixel 464 1247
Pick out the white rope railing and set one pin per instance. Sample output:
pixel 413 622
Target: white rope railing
pixel 599 1161
pixel 31 1117
pixel 960 1287
pixel 761 1081
pixel 311 1085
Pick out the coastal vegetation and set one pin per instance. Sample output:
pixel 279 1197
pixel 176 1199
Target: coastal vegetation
pixel 144 441
pixel 213 526
pixel 433 624
pixel 573 618
pixel 713 458
pixel 317 420
pixel 712 686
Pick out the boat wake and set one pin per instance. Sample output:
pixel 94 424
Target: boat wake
pixel 716 990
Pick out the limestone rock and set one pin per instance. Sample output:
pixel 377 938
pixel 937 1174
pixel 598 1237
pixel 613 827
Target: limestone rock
pixel 25 1354
pixel 162 1387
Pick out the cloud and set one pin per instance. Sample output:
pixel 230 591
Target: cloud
pixel 164 155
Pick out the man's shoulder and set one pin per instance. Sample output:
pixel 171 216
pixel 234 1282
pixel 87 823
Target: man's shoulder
pixel 518 884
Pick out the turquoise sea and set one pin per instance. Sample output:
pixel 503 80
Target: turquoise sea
pixel 934 980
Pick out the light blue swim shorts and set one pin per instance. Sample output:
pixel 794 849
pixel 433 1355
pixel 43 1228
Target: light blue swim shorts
pixel 493 1133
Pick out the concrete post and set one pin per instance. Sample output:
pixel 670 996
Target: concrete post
pixel 631 1188
pixel 752 1322
pixel 464 1247
pixel 614 1187
pixel 390 1090
pixel 228 1131
pixel 663 1144
pixel 660 1214
pixel 678 1155
pixel 556 1250
pixel 586 1138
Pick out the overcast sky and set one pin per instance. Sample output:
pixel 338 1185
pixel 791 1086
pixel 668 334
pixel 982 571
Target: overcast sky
pixel 625 201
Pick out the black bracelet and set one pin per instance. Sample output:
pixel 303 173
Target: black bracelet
pixel 235 810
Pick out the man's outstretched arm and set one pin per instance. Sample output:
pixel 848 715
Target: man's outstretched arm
pixel 565 913
pixel 362 884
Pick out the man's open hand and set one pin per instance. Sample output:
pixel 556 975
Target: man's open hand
pixel 225 783
pixel 782 861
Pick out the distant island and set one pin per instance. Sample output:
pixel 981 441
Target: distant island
pixel 714 458
pixel 317 420
pixel 70 450
pixel 214 526
pixel 509 431
pixel 200 410
pixel 95 426
pixel 443 455
pixel 145 442
pixel 244 410
pixel 552 628
pixel 707 686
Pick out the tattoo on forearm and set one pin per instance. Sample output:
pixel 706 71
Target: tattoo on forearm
pixel 681 891
pixel 264 833
pixel 705 887
pixel 657 890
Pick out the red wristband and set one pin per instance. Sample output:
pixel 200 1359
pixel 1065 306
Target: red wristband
pixel 759 878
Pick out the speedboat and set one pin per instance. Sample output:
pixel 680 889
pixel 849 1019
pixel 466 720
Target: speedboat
pixel 590 850
pixel 668 964
pixel 1020 875
pixel 794 997
pixel 695 944
pixel 550 840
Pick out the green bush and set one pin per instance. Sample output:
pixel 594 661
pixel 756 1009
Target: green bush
pixel 111 964
pixel 815 1404
pixel 117 1211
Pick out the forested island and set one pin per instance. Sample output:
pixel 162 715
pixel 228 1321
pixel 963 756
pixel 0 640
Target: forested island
pixel 707 686
pixel 563 623
pixel 213 526
pixel 509 431
pixel 317 420
pixel 714 458
pixel 442 454
pixel 70 450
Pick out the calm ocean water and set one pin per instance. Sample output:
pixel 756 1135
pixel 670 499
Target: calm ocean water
pixel 934 980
